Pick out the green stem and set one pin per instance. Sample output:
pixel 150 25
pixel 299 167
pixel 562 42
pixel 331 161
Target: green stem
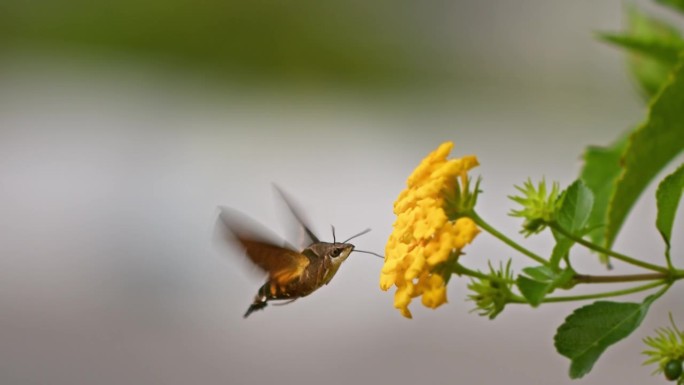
pixel 661 291
pixel 581 278
pixel 667 257
pixel 603 250
pixel 486 227
pixel 606 294
pixel 462 270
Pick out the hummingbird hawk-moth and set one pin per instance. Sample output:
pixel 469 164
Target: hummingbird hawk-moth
pixel 292 274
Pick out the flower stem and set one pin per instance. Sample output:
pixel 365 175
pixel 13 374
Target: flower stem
pixel 603 250
pixel 462 270
pixel 606 294
pixel 485 226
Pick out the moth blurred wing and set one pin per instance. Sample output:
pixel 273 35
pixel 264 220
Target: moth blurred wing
pixel 282 264
pixel 297 226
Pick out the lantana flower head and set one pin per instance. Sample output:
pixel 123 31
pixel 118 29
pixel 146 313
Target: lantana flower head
pixel 424 235
pixel 665 347
pixel 538 208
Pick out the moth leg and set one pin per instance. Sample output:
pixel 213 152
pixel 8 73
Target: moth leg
pixel 285 303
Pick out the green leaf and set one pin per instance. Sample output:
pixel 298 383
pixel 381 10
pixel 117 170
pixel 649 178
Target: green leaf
pixel 650 148
pixel 654 48
pixel 591 329
pixel 534 291
pixel 542 280
pixel 676 4
pixel 577 204
pixel 601 169
pixel 564 279
pixel 573 216
pixel 540 273
pixel 667 199
pixel 666 50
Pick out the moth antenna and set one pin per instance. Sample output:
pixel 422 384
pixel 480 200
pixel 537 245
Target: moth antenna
pixel 333 231
pixel 358 235
pixel 369 252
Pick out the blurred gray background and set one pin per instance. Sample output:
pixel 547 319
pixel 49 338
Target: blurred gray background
pixel 123 125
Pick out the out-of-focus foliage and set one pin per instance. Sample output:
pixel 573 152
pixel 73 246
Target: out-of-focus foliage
pixel 676 4
pixel 667 197
pixel 618 175
pixel 654 47
pixel 656 50
pixel 651 147
pixel 601 169
pixel 304 41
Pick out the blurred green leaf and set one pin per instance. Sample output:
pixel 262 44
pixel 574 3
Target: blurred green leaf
pixel 651 147
pixel 573 216
pixel 666 50
pixel 601 168
pixel 675 4
pixel 307 41
pixel 667 198
pixel 591 329
pixel 654 49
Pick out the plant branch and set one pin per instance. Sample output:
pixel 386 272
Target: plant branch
pixel 603 250
pixel 485 226
pixel 581 278
pixel 614 293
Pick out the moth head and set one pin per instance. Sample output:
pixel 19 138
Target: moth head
pixel 337 252
pixel 341 251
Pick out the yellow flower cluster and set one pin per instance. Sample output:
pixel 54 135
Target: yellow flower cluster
pixel 423 236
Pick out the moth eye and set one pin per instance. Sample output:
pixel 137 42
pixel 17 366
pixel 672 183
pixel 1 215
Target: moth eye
pixel 336 252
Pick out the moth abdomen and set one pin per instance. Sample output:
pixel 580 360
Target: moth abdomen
pixel 268 291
